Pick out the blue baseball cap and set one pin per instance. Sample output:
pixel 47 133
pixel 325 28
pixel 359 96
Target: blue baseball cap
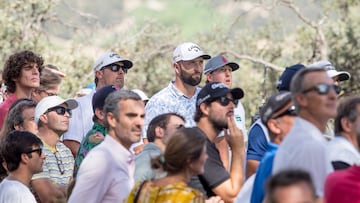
pixel 218 62
pixel 285 78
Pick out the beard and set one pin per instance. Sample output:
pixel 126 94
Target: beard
pixel 188 79
pixel 218 123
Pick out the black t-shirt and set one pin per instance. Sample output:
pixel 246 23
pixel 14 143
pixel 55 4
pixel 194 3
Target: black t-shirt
pixel 214 173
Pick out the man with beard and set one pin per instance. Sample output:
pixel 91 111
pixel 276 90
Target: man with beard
pixel 180 95
pixel 215 113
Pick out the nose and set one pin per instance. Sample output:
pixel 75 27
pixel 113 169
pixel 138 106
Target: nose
pixel 35 70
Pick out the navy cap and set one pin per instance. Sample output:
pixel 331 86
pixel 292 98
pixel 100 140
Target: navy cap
pixel 285 78
pixel 274 104
pixel 214 90
pixel 218 62
pixel 100 95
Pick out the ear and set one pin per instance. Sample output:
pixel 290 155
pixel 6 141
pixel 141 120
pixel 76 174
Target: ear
pixel 99 74
pixel 204 109
pixel 43 118
pixel 159 132
pixel 24 158
pixel 273 126
pixel 301 99
pixel 209 77
pixel 346 125
pixel 99 113
pixel 177 68
pixel 18 127
pixel 111 119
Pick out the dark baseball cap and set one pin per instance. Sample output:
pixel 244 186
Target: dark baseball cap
pixel 218 62
pixel 100 95
pixel 214 90
pixel 285 78
pixel 274 104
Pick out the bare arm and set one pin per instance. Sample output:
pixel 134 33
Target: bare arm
pixel 73 146
pixel 251 167
pixel 48 191
pixel 229 189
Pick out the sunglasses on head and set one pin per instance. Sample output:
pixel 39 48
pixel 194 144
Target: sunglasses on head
pixel 115 68
pixel 39 151
pixel 289 112
pixel 323 89
pixel 60 110
pixel 224 101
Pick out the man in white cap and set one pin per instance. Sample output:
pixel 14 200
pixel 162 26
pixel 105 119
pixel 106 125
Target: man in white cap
pixel 109 69
pixel 337 76
pixel 180 95
pixel 52 115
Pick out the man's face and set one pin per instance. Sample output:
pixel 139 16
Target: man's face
pixel 36 160
pixel 219 113
pixel 316 105
pixel 127 128
pixel 174 124
pixel 111 76
pixel 223 74
pixel 40 94
pixel 29 76
pixel 190 72
pixel 282 121
pixel 29 123
pixel 57 119
pixel 297 193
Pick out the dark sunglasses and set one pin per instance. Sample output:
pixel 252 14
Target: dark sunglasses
pixel 224 101
pixel 39 151
pixel 323 89
pixel 289 112
pixel 59 110
pixel 49 93
pixel 115 68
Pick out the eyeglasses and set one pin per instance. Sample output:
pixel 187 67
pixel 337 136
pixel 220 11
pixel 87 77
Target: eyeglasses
pixel 289 112
pixel 224 101
pixel 323 89
pixel 59 162
pixel 60 110
pixel 39 151
pixel 115 68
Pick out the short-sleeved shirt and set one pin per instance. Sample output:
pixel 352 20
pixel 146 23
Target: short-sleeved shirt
pixel 258 141
pixel 171 193
pixel 93 138
pixel 263 172
pixel 305 148
pixel 58 165
pixel 342 150
pixel 81 120
pixel 170 99
pixel 106 174
pixel 15 191
pixel 143 170
pixel 214 172
pixel 4 108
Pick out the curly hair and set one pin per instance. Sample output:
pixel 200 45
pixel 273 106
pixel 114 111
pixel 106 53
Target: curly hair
pixel 12 67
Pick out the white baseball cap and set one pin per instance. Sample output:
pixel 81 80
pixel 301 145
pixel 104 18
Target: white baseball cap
pixel 331 70
pixel 188 51
pixel 52 101
pixel 109 58
pixel 142 94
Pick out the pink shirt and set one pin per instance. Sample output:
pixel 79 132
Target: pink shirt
pixel 4 107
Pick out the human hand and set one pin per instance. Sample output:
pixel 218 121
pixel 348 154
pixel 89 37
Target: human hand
pixel 214 199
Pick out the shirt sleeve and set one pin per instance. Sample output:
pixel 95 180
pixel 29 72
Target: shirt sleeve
pixel 257 144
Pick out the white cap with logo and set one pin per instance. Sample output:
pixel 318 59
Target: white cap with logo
pixel 110 58
pixel 331 70
pixel 188 51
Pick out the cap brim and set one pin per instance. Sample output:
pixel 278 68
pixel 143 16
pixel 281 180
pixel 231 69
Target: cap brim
pixel 205 56
pixel 71 103
pixel 237 93
pixel 128 64
pixel 342 75
pixel 234 66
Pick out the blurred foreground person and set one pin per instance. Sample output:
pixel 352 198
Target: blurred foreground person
pixel 184 157
pixel 23 157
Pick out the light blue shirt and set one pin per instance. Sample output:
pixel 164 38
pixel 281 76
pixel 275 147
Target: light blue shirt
pixel 170 99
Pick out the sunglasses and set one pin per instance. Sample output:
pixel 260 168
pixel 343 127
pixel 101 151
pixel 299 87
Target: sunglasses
pixel 115 68
pixel 289 112
pixel 323 89
pixel 39 151
pixel 60 110
pixel 49 93
pixel 224 101
pixel 59 162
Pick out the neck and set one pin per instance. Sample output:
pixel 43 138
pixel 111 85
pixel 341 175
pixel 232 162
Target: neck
pixel 351 139
pixel 182 176
pixel 20 175
pixel 22 92
pixel 122 142
pixel 160 144
pixel 209 130
pixel 187 90
pixel 49 136
pixel 319 122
